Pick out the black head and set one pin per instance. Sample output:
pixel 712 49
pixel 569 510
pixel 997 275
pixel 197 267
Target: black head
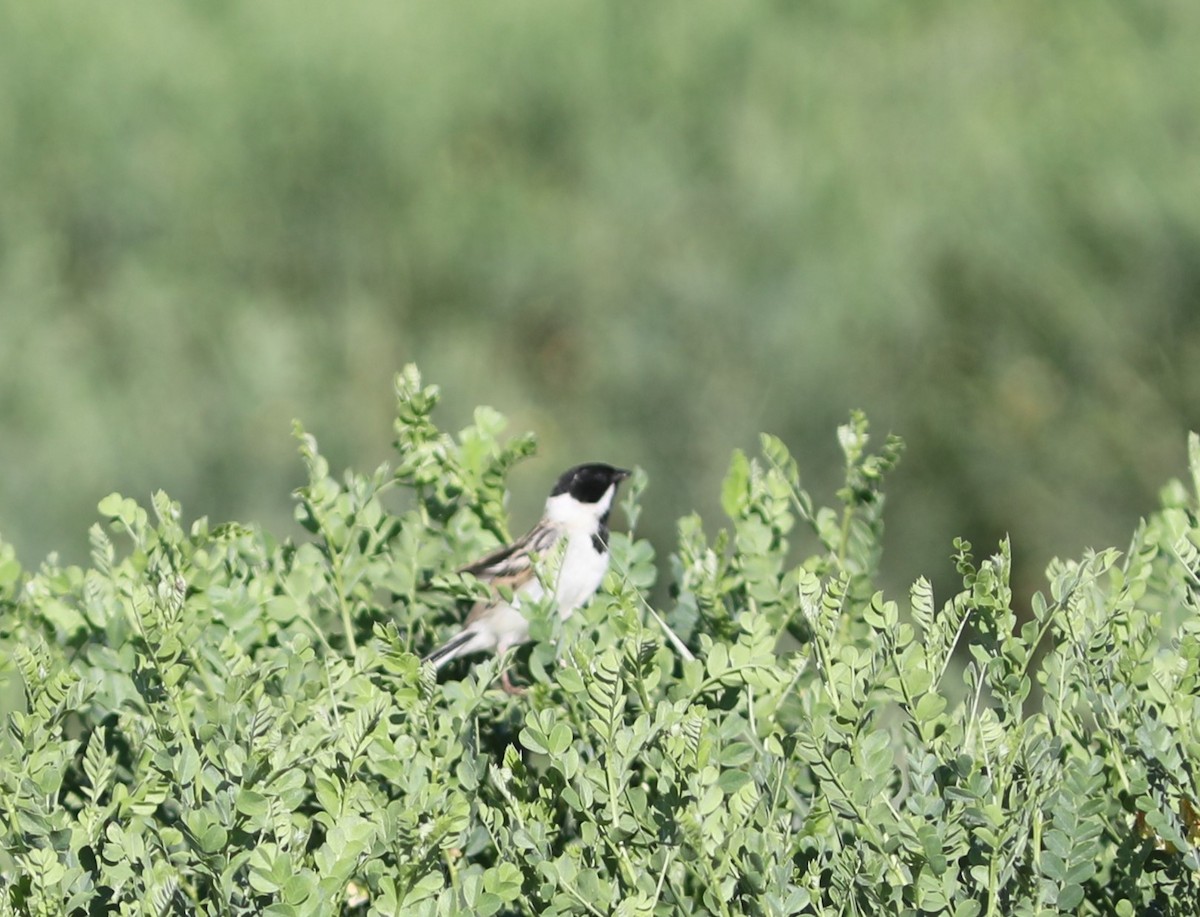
pixel 588 483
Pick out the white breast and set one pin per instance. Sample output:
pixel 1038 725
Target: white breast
pixel 582 567
pixel 582 571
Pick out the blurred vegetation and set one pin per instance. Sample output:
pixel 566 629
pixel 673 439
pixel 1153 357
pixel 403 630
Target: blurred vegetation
pixel 645 232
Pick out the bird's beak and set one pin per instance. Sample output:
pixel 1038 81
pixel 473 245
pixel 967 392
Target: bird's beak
pixel 621 474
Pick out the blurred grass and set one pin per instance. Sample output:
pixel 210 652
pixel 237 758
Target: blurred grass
pixel 645 232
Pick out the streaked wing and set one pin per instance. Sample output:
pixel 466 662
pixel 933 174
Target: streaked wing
pixel 513 560
pixel 512 583
pixel 512 565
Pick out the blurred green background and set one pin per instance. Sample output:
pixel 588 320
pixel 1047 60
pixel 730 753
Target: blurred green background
pixel 644 231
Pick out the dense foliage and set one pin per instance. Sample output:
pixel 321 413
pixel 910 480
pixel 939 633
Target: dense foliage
pixel 645 230
pixel 216 722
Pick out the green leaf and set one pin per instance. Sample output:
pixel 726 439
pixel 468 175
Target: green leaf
pixel 252 803
pixel 570 680
pixel 559 739
pixel 1193 451
pixel 710 800
pixel 929 708
pixel 424 888
pixel 504 881
pixel 735 491
pixel 717 662
pixel 10 569
pixel 1070 897
pixel 534 741
pixel 921 603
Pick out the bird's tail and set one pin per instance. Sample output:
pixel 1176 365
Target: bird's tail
pixel 448 650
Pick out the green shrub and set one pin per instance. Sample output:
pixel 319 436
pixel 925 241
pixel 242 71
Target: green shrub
pixel 216 722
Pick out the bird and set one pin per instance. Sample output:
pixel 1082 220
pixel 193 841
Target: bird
pixel 575 522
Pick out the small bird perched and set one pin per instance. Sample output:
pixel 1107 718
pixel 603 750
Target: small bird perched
pixel 577 511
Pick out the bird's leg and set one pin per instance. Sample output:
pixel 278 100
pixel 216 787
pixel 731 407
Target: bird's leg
pixel 508 686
